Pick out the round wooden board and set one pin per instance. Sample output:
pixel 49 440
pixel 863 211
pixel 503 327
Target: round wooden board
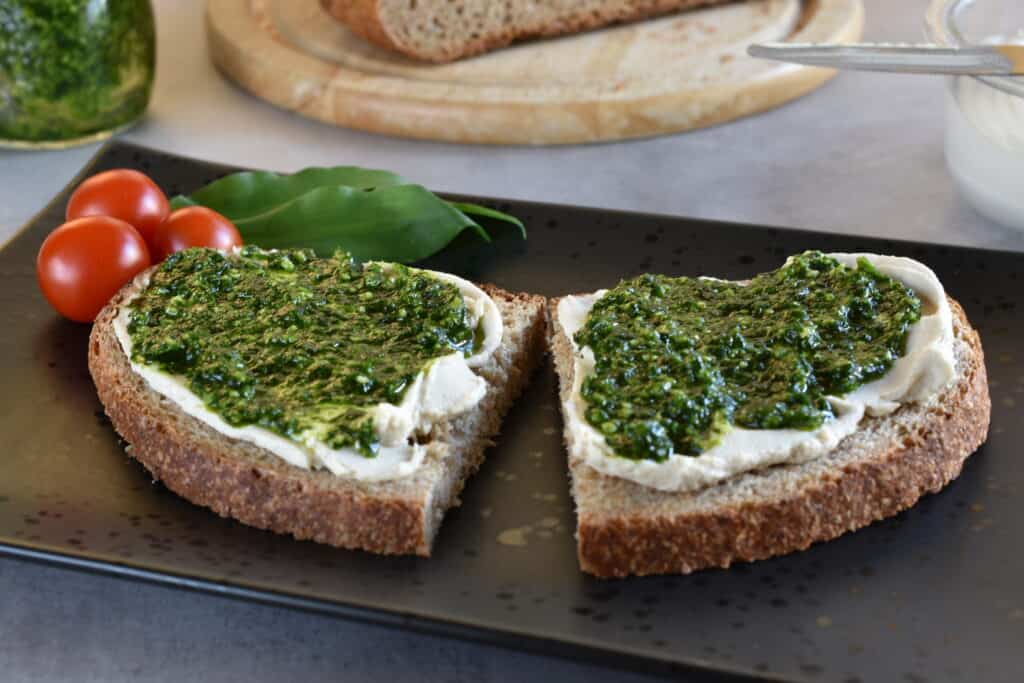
pixel 660 76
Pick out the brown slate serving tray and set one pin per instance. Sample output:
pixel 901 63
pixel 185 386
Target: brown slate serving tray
pixel 932 595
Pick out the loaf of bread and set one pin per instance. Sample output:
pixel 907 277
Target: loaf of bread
pixel 446 30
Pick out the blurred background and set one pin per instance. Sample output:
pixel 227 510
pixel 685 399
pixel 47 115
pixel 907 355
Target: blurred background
pixel 863 154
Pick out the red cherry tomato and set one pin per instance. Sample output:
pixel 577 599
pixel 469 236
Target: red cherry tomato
pixel 83 263
pixel 195 226
pixel 122 193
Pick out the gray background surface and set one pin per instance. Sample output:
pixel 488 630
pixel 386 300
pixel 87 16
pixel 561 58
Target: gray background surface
pixel 861 155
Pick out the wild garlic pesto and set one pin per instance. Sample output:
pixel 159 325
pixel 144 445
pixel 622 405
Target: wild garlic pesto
pixel 73 68
pixel 677 361
pixel 296 344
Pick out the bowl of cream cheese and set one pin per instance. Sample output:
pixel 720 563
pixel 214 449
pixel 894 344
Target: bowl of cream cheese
pixel 984 115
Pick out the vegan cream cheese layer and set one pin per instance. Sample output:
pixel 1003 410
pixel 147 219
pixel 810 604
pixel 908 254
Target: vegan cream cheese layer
pixel 680 383
pixel 321 361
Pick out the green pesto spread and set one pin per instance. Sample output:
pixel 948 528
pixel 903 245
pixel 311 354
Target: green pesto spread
pixel 680 360
pixel 71 68
pixel 299 345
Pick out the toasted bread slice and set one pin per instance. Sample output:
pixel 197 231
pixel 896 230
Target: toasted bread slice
pixel 624 528
pixel 446 30
pixel 240 480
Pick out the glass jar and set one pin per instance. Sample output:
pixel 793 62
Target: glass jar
pixel 984 115
pixel 73 71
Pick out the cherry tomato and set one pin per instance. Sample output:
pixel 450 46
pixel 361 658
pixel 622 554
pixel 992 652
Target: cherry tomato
pixel 195 226
pixel 83 263
pixel 122 193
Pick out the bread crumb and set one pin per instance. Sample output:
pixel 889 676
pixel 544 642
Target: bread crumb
pixel 515 537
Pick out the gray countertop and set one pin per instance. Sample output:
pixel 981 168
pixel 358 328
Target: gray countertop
pixel 861 155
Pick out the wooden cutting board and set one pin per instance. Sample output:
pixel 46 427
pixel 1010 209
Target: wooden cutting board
pixel 660 76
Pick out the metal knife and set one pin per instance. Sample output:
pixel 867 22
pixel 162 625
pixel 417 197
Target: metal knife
pixel 974 60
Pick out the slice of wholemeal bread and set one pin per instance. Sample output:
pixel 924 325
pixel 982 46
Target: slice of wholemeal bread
pixel 624 528
pixel 445 30
pixel 237 479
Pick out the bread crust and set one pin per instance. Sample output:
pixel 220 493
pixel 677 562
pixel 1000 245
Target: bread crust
pixel 365 18
pixel 923 460
pixel 242 481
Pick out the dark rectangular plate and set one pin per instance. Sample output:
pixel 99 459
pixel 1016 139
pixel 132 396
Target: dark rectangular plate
pixel 933 594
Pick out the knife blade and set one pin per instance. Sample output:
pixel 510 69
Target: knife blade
pixel 974 60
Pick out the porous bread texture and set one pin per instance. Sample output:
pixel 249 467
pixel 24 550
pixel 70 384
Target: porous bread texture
pixel 446 30
pixel 624 528
pixel 243 481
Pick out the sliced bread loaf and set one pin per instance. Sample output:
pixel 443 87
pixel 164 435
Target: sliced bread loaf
pixel 446 30
pixel 624 528
pixel 240 480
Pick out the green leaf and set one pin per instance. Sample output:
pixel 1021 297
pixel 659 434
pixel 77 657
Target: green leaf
pixel 402 223
pixel 371 214
pixel 477 210
pixel 250 193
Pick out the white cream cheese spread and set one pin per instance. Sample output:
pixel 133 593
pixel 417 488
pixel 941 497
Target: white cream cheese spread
pixel 445 389
pixel 926 367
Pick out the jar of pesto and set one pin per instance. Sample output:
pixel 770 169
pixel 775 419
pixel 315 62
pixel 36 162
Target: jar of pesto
pixel 73 71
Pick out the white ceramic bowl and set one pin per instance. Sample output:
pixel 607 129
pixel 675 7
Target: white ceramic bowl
pixel 984 116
